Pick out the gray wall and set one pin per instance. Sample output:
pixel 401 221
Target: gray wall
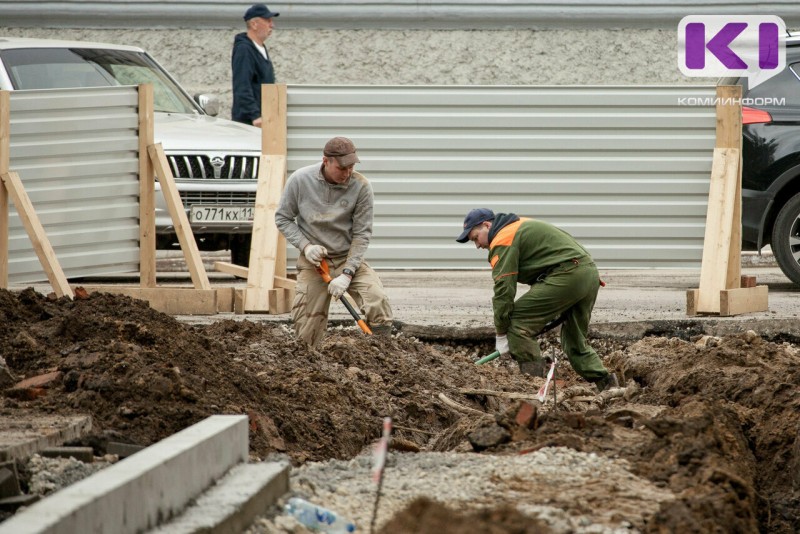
pixel 398 42
pixel 200 59
pixel 389 14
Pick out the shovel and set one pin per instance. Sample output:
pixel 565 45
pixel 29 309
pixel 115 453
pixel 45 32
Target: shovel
pixel 325 273
pixel 549 326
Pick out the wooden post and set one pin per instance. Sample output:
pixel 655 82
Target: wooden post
pixel 179 219
pixel 720 290
pixel 729 135
pixel 273 119
pixel 263 253
pixel 147 187
pixel 719 225
pixel 5 156
pixel 41 244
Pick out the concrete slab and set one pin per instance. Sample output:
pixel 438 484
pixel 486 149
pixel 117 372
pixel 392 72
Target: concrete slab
pixel 234 502
pixel 144 490
pixel 23 435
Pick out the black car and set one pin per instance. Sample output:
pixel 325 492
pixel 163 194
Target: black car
pixel 771 163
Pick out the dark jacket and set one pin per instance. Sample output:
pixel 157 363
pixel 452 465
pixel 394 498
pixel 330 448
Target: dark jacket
pixel 250 70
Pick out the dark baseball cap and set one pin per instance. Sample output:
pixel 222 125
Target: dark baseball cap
pixel 259 10
pixel 473 219
pixel 343 150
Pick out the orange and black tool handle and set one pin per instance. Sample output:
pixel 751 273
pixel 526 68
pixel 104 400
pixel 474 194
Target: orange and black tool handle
pixel 325 273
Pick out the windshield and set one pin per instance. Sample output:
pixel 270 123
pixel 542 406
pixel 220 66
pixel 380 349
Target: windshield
pixel 60 68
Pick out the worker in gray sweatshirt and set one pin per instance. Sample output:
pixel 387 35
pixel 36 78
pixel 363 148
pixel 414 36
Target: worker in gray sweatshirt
pixel 326 212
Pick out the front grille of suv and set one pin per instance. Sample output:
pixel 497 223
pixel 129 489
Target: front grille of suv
pixel 219 198
pixel 203 167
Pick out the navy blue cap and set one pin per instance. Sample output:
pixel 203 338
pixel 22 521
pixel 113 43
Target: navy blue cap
pixel 473 219
pixel 259 10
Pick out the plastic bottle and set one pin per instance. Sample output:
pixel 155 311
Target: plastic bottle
pixel 317 518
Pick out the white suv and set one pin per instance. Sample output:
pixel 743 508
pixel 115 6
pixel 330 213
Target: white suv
pixel 214 161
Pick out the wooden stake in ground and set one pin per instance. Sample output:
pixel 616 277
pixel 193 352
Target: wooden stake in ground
pixel 41 244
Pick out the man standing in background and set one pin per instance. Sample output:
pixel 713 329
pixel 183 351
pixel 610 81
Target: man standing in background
pixel 251 65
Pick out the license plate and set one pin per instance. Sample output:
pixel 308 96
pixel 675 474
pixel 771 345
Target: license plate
pixel 221 214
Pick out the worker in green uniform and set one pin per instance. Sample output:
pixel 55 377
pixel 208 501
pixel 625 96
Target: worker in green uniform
pixel 563 282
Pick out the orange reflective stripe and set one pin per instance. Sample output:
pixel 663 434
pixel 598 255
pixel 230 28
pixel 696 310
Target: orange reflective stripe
pixel 507 274
pixel 494 260
pixel 505 236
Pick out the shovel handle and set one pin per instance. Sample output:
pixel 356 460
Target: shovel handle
pixel 325 273
pixel 488 358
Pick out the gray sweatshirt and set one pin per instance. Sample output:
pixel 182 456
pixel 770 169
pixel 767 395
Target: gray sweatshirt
pixel 338 217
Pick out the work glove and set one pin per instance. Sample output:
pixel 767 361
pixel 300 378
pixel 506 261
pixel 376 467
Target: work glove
pixel 339 285
pixel 501 344
pixel 315 253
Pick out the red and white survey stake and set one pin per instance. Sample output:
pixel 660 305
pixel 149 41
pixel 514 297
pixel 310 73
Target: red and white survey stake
pixel 381 448
pixel 543 390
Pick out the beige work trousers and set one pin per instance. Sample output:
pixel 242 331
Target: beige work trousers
pixel 312 300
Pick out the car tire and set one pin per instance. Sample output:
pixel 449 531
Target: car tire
pixel 786 239
pixel 240 249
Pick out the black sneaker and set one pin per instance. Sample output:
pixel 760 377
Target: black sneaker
pixel 608 382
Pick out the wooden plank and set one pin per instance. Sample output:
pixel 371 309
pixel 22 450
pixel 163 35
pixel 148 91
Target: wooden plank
pixel 263 254
pixel 747 281
pixel 744 300
pixel 230 268
pixel 224 299
pixel 280 301
pixel 691 301
pixel 169 300
pixel 147 190
pixel 734 273
pixel 273 119
pixel 179 219
pixel 729 117
pixel 5 157
pixel 285 283
pixel 719 224
pixel 33 226
pixel 238 301
pixel 729 135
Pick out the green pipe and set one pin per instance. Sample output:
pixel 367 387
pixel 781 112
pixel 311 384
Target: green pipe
pixel 488 358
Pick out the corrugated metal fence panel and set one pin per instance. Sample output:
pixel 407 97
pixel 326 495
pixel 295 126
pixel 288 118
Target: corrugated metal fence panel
pixel 387 14
pixel 623 169
pixel 76 151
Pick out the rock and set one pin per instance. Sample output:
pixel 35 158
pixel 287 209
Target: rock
pixel 488 436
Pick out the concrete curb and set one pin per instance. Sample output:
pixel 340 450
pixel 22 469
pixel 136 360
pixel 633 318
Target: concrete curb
pixel 145 489
pixel 21 441
pixel 234 502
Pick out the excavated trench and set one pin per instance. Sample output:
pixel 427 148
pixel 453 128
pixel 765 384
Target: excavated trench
pixel 712 419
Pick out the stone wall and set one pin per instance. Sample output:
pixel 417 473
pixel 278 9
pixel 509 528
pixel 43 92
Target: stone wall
pixel 200 59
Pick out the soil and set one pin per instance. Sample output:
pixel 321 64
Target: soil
pixel 713 420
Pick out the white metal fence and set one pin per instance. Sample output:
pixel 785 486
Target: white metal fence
pixel 623 169
pixel 76 152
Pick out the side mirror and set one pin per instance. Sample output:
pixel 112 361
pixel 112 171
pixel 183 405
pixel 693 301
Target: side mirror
pixel 209 103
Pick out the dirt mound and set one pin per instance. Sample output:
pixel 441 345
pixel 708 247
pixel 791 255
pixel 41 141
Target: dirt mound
pixel 145 375
pixel 425 515
pixel 714 421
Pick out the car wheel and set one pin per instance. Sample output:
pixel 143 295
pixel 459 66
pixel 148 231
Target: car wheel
pixel 786 239
pixel 240 249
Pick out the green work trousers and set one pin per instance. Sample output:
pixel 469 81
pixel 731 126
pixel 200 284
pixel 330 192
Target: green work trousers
pixel 312 300
pixel 570 288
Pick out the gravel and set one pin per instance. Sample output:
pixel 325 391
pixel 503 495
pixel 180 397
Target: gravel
pixel 549 484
